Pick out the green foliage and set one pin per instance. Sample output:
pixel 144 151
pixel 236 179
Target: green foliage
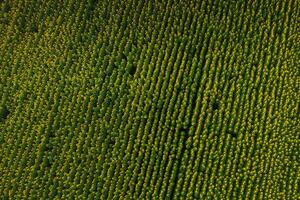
pixel 149 99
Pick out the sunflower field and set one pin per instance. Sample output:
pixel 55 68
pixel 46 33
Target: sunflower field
pixel 150 99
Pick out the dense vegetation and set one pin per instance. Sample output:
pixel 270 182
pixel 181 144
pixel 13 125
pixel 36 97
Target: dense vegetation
pixel 138 99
